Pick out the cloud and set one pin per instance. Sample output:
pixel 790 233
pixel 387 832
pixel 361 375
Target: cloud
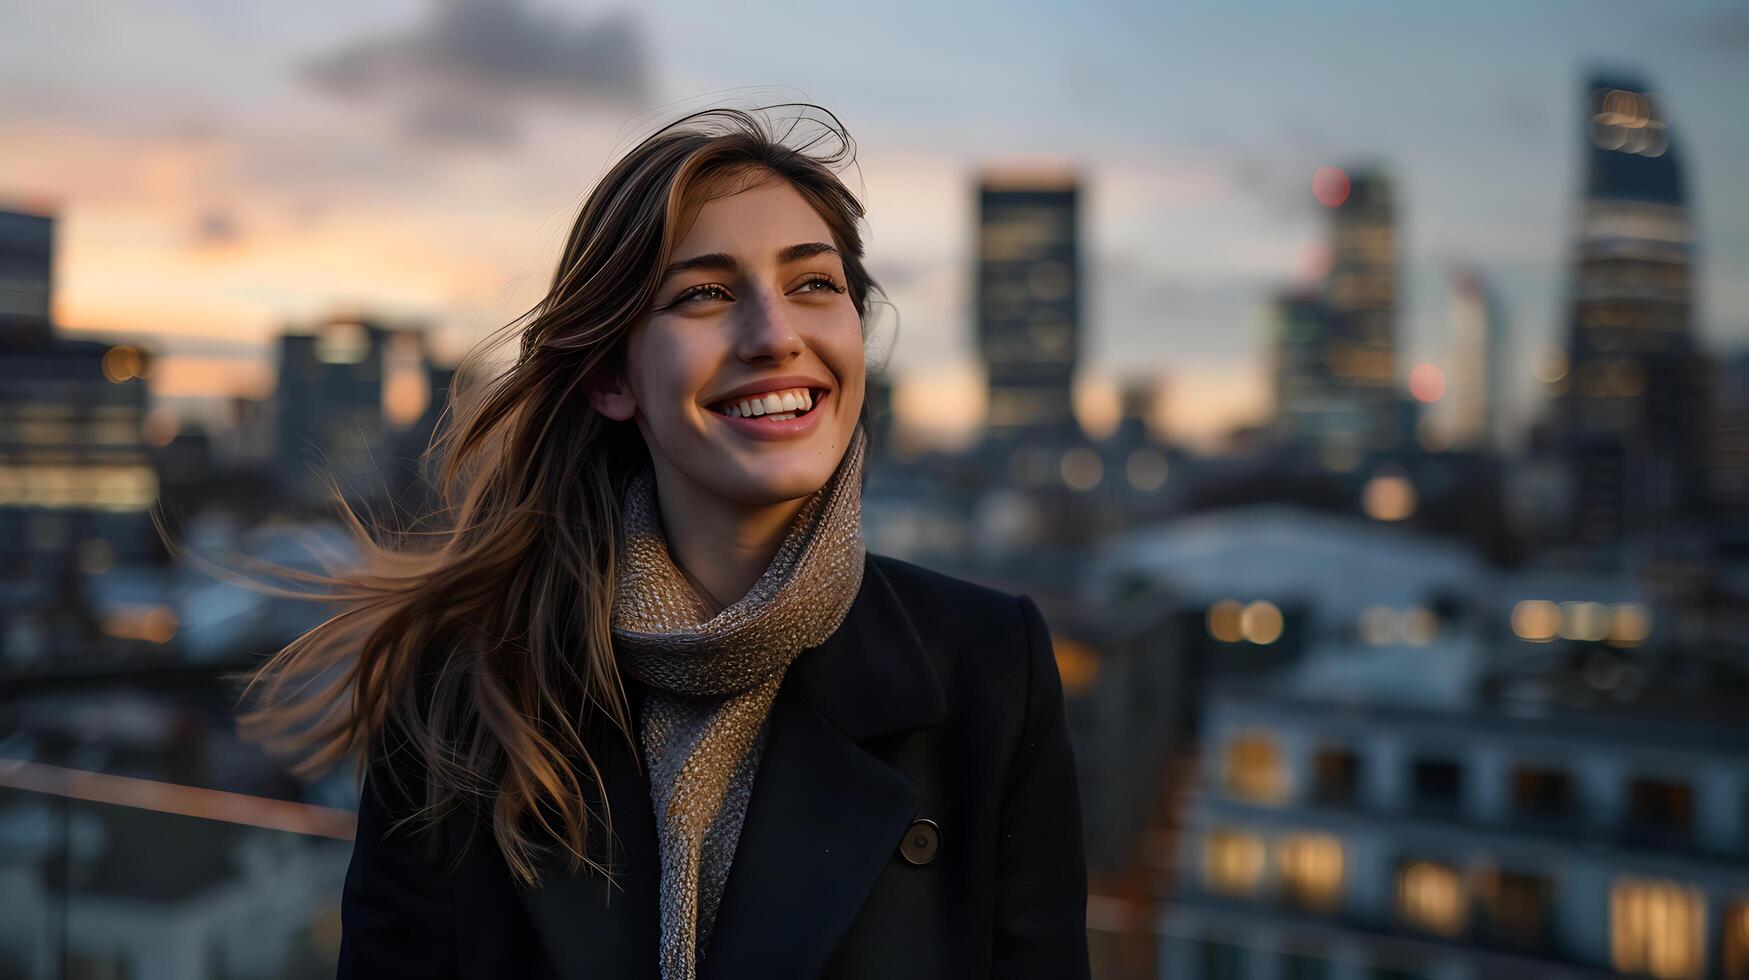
pixel 459 77
pixel 216 226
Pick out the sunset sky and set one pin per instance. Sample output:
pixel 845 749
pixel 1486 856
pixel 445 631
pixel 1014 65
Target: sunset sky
pixel 222 170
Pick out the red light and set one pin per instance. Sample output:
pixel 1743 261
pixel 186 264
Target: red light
pixel 1330 186
pixel 1426 383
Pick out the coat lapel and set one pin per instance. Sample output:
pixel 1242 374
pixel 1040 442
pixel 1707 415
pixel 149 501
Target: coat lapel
pixel 824 818
pixel 826 815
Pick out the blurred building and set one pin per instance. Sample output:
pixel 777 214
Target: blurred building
pixel 1141 405
pixel 882 419
pixel 1029 299
pixel 1334 348
pixel 1478 363
pixel 1362 295
pixel 27 246
pixel 347 389
pixel 1629 412
pixel 1728 448
pixel 76 476
pixel 1344 839
pixel 1313 405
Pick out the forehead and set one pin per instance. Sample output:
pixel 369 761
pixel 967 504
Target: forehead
pixel 753 221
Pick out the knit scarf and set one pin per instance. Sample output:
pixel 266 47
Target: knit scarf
pixel 712 679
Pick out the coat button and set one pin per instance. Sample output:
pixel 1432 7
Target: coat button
pixel 921 841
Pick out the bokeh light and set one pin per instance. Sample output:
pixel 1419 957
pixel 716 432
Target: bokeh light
pixel 1330 185
pixel 1426 383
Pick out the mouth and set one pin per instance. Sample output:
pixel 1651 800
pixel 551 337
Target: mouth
pixel 788 413
pixel 782 405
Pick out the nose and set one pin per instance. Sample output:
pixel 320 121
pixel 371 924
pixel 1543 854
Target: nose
pixel 765 332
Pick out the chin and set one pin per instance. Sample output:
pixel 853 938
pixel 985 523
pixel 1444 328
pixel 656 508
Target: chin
pixel 771 483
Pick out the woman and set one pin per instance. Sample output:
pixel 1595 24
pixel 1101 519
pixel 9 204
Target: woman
pixel 650 709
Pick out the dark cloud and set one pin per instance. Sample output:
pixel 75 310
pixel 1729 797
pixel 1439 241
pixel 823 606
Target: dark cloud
pixel 216 226
pixel 459 76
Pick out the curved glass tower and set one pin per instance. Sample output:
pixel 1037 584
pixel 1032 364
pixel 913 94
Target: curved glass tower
pixel 1630 411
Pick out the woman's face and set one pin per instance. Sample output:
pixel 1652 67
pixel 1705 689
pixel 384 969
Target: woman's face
pixel 753 317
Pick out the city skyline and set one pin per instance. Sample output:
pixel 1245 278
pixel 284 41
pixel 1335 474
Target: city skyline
pixel 214 216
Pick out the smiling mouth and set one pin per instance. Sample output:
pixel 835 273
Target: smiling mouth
pixel 775 406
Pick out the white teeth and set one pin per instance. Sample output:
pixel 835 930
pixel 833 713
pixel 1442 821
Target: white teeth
pixel 794 401
pixel 782 416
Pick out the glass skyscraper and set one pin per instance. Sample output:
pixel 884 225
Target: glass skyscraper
pixel 1029 299
pixel 1629 409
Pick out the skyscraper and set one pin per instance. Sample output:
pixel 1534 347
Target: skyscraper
pixel 1309 405
pixel 1629 414
pixel 1334 348
pixel 1478 362
pixel 1362 296
pixel 26 259
pixel 329 406
pixel 76 476
pixel 1029 299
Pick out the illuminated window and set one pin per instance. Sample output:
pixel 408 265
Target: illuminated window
pixel 1223 620
pixel 1542 793
pixel 1232 862
pixel 1253 769
pixel 1311 870
pixel 1336 777
pixel 1516 908
pixel 1431 896
pixel 1736 953
pixel 1261 622
pixel 1657 927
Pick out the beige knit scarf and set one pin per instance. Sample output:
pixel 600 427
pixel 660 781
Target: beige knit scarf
pixel 712 679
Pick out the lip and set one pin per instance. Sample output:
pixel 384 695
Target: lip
pixel 764 385
pixel 759 427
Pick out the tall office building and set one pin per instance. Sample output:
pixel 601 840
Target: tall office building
pixel 1362 296
pixel 1478 363
pixel 1311 405
pixel 335 411
pixel 1334 348
pixel 76 477
pixel 1630 413
pixel 1029 299
pixel 27 244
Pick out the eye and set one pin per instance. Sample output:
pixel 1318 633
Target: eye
pixel 699 291
pixel 822 279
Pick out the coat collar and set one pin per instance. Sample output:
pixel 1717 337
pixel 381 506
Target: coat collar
pixel 825 816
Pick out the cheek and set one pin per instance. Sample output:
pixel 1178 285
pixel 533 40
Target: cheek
pixel 674 368
pixel 840 347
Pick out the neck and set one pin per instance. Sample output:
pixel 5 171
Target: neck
pixel 722 545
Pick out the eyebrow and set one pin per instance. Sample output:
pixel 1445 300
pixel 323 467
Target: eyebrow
pixel 724 262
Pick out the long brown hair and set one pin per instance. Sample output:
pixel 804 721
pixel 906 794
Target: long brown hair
pixel 483 644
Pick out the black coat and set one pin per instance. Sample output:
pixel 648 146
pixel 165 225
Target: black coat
pixel 936 699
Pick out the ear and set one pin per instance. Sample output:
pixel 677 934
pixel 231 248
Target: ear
pixel 611 396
